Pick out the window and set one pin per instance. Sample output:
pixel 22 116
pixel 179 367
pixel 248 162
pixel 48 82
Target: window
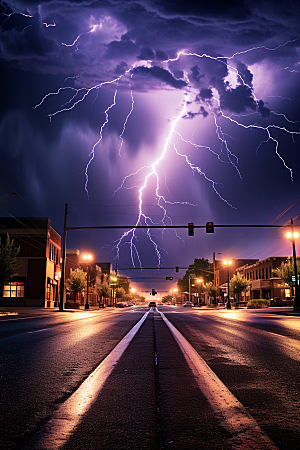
pixel 53 253
pixel 13 289
pixel 263 273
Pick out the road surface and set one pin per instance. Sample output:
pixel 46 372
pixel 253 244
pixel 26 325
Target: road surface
pixel 134 378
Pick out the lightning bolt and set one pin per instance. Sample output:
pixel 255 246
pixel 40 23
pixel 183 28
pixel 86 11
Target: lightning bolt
pixel 126 119
pixel 150 173
pixel 92 154
pixel 142 218
pixel 93 28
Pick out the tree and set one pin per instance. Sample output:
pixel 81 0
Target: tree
pixel 138 298
pixel 123 282
pixel 201 268
pixel 120 292
pixel 211 290
pixel 167 298
pixel 9 266
pixel 286 271
pixel 76 283
pixel 103 290
pixel 238 284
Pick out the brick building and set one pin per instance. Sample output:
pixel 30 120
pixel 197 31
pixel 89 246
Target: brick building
pixel 98 273
pixel 38 279
pixel 222 272
pixel 264 284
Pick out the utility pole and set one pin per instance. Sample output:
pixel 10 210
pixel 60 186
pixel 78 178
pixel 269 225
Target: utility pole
pixel 214 265
pixel 63 267
pixel 297 299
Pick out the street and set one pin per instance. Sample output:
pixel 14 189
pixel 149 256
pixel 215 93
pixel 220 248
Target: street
pixel 140 378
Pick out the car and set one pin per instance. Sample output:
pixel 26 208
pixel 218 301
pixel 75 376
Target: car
pixel 152 305
pixel 188 304
pixel 120 305
pixel 101 305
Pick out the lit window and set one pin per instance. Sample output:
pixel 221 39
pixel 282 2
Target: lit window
pixel 13 289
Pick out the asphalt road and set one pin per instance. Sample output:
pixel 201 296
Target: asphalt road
pixel 152 397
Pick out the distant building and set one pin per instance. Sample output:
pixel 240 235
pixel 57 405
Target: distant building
pixel 38 280
pixel 264 284
pixel 222 273
pixel 98 273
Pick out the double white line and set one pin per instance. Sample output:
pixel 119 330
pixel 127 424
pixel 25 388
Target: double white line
pixel 245 431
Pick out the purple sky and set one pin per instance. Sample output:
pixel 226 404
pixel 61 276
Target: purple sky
pixel 148 112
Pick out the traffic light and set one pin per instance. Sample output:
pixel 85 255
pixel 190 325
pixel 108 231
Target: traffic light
pixel 154 292
pixel 176 269
pixel 169 278
pixel 191 229
pixel 210 227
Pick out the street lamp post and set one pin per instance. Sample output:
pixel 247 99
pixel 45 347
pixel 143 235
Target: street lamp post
pixel 174 296
pixel 292 237
pixel 87 258
pixel 199 281
pixel 114 279
pixel 191 275
pixel 227 263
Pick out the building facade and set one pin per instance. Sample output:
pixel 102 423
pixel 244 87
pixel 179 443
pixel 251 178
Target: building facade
pixel 38 280
pixel 264 284
pixel 97 273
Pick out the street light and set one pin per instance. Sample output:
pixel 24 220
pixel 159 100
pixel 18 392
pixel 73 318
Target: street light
pixel 174 297
pixel 113 287
pixel 292 237
pixel 227 263
pixel 199 281
pixel 86 258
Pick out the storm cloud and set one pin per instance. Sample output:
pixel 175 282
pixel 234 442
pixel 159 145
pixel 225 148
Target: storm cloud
pixel 156 112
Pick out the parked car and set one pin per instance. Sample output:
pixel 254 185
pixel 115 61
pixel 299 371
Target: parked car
pixel 120 305
pixel 152 305
pixel 101 305
pixel 188 304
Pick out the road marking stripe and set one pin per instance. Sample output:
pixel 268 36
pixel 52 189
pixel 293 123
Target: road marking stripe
pixel 247 434
pixel 55 433
pixel 37 331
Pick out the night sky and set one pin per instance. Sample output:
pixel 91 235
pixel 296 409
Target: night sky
pixel 157 113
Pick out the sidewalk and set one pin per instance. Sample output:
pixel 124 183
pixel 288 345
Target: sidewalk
pixel 7 312
pixel 22 312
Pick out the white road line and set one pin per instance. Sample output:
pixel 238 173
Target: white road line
pixel 58 429
pixel 37 331
pixel 247 435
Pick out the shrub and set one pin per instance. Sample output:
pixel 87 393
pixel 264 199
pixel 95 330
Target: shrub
pixel 258 303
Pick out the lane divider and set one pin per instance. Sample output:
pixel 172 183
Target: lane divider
pixel 247 434
pixel 55 433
